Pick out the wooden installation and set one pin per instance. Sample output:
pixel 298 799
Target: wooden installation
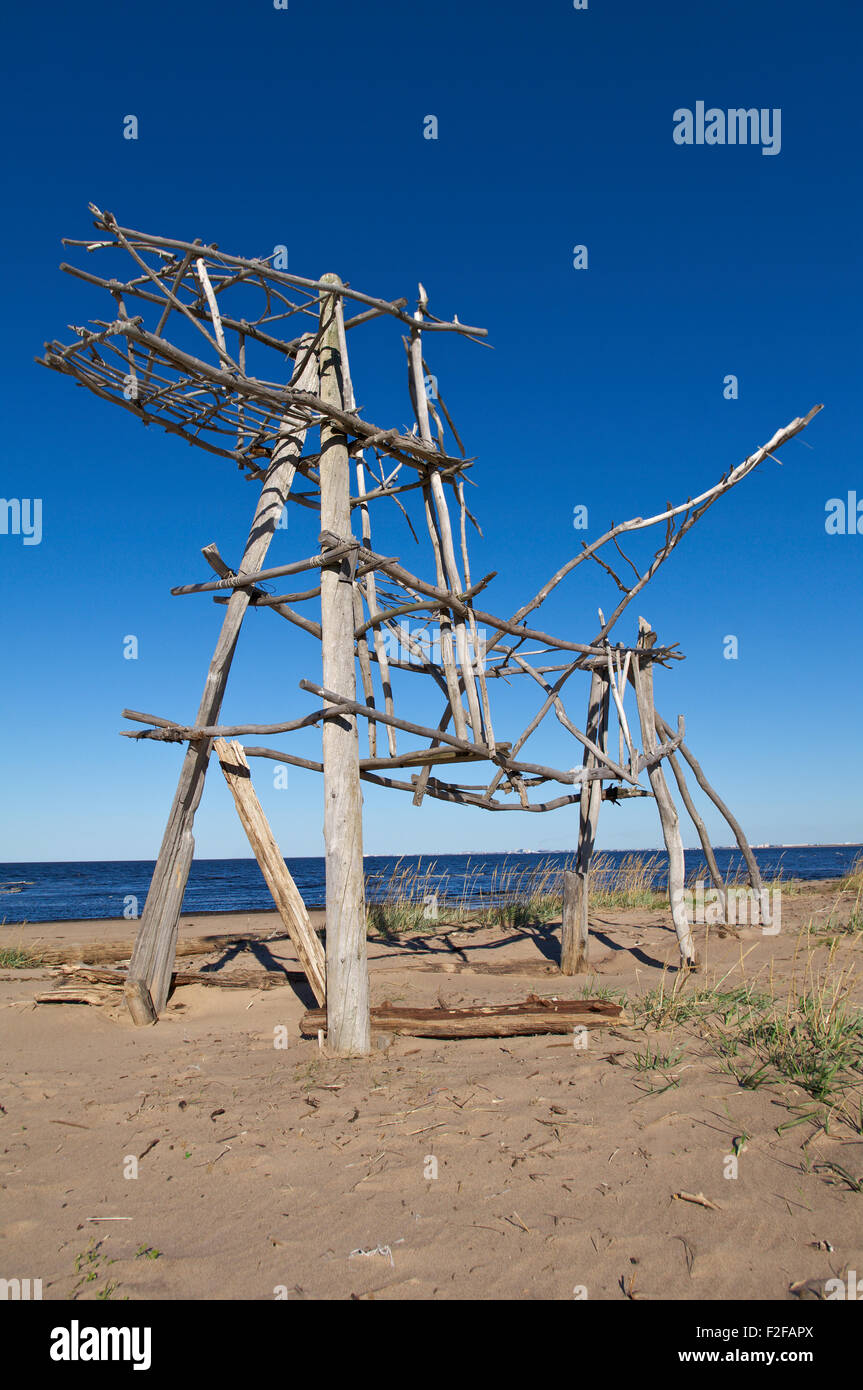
pixel 233 382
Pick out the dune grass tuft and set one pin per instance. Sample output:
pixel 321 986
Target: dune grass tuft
pixel 513 895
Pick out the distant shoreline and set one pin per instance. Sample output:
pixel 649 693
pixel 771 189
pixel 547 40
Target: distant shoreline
pixel 127 927
pixel 436 854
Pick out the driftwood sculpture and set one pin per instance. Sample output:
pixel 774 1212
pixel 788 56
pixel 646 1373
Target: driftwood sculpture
pixel 355 596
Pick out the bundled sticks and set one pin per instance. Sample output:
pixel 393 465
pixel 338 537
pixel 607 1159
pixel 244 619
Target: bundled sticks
pixel 373 618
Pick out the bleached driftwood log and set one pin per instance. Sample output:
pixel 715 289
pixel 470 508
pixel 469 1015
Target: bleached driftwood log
pixel 347 971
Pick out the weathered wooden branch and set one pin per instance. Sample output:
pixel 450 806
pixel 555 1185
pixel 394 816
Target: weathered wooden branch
pixel 382 306
pixel 153 957
pixel 643 682
pixel 574 930
pixel 286 895
pixel 440 520
pixel 745 850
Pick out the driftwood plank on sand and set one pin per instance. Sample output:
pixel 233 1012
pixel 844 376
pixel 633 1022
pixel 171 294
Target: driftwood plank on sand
pixel 532 1016
pixel 222 979
pixel 98 952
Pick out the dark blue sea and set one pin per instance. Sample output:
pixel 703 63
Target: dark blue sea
pixel 57 892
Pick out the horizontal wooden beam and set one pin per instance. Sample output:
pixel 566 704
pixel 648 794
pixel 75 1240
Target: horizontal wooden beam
pixel 533 1016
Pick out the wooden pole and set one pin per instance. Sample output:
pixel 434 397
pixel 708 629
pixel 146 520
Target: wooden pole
pixel 377 638
pixel 152 962
pixel 440 531
pixel 695 817
pixel 348 1028
pixel 643 681
pixel 286 894
pixel 574 934
pixel 745 849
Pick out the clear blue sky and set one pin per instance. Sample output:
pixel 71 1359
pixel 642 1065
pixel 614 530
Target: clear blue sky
pixel 305 127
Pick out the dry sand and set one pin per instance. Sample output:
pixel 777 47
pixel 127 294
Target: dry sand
pixel 266 1169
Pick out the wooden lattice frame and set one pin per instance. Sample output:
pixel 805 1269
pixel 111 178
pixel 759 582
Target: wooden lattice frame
pixel 216 403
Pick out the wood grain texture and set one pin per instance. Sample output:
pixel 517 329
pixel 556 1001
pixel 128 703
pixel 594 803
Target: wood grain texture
pixel 532 1016
pixel 347 971
pixel 153 956
pixel 286 894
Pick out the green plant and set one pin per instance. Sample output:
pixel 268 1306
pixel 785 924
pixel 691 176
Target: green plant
pixel 654 1060
pixel 512 895
pixel 17 958
pixel 836 1173
pixel 853 881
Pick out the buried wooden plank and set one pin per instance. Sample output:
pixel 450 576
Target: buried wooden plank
pixel 470 967
pixel 531 1016
pixel 78 994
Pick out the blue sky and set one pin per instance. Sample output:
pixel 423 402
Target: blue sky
pixel 304 127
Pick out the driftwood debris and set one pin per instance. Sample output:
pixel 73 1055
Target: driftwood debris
pixel 99 952
pixel 218 979
pixel 77 994
pixel 371 617
pixel 533 1016
pixel 477 967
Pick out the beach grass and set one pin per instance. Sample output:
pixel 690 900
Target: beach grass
pixel 16 958
pixel 853 882
pixel 514 894
pixel 808 1035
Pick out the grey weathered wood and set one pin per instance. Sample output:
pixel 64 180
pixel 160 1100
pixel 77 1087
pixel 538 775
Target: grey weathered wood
pixel 440 532
pixel 643 682
pixel 701 828
pixel 534 1015
pixel 286 894
pixel 574 932
pixel 348 1028
pixel 153 957
pixel 376 641
pixel 698 773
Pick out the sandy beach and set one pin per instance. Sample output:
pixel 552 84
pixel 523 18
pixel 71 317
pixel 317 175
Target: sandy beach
pixel 499 1168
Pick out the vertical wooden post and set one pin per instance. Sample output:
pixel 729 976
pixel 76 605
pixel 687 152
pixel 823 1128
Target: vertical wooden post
pixel 573 932
pixel 642 673
pixel 152 963
pixel 348 1027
